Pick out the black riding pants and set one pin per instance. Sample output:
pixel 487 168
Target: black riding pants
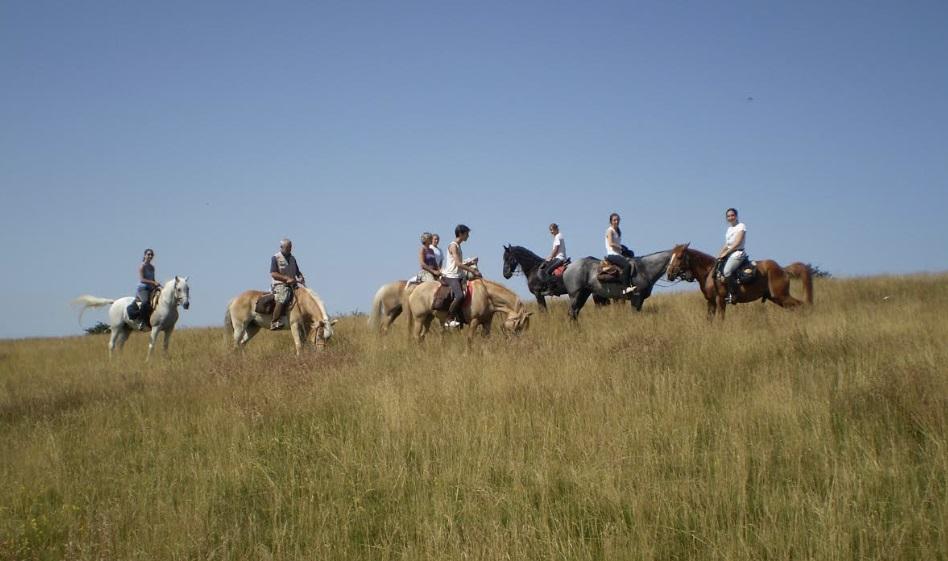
pixel 457 295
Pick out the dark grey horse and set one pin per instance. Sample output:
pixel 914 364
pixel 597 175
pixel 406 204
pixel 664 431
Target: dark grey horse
pixel 581 282
pixel 538 284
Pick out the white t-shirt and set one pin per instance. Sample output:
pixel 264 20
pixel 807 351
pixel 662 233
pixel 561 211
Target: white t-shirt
pixel 558 241
pixel 730 237
pixel 450 269
pixel 439 257
pixel 612 237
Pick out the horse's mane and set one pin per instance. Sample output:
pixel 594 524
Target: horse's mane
pixel 520 253
pixel 700 255
pixel 318 300
pixel 503 291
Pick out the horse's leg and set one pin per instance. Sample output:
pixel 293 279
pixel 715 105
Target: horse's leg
pixel 541 301
pixel 249 331
pixel 152 339
pixel 390 317
pixel 473 326
pixel 113 340
pixel 576 304
pixel 297 337
pixel 167 340
pixel 636 302
pixel 712 307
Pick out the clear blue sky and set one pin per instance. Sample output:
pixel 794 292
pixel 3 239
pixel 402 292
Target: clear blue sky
pixel 209 130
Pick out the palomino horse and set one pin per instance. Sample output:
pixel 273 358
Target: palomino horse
pixel 487 298
pixel 387 305
pixel 307 317
pixel 529 262
pixel 581 281
pixel 163 318
pixel 772 282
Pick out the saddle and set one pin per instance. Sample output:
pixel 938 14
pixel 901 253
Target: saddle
pixel 265 303
pixel 442 296
pixel 134 309
pixel 745 273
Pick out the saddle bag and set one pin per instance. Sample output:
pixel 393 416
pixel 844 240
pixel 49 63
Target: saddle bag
pixel 442 298
pixel 746 273
pixel 265 304
pixel 608 272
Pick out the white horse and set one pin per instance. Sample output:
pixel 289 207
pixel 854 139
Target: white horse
pixel 163 318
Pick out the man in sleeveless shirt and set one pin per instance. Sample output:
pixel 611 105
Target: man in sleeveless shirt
pixel 284 275
pixel 451 273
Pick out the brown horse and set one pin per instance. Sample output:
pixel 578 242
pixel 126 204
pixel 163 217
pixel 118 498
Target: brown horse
pixel 307 317
pixel 772 281
pixel 487 298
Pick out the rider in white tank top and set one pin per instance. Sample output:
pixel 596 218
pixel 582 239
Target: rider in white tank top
pixel 450 268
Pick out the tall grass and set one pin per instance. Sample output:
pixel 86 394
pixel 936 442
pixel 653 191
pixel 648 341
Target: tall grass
pixel 818 434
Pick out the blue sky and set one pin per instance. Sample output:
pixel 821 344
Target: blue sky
pixel 209 130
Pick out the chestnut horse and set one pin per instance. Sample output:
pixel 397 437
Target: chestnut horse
pixel 772 282
pixel 487 298
pixel 307 317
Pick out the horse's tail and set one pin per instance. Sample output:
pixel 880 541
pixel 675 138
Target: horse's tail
pixel 375 316
pixel 802 271
pixel 228 322
pixel 406 308
pixel 86 301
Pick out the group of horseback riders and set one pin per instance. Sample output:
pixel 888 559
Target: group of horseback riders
pixel 451 268
pixel 620 258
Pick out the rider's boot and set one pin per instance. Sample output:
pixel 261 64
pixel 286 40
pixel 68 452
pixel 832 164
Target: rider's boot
pixel 731 297
pixel 144 316
pixel 275 322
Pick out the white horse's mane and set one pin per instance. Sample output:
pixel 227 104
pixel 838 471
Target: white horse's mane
pixel 319 302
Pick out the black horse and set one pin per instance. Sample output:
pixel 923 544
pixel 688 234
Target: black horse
pixel 538 283
pixel 581 281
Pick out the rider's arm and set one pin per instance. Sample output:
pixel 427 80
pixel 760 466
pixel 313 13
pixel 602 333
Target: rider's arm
pixel 275 273
pixel 554 251
pixel 453 250
pixel 425 266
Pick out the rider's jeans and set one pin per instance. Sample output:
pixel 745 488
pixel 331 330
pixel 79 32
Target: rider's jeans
pixel 733 260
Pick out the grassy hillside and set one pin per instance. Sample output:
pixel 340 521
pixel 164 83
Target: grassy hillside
pixel 812 435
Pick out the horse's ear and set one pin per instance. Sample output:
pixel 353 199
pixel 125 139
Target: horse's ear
pixel 507 246
pixel 185 278
pixel 687 244
pixel 333 321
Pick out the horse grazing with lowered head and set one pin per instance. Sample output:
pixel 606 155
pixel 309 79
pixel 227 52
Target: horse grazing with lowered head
pixel 516 256
pixel 487 298
pixel 307 318
pixel 772 281
pixel 581 281
pixel 387 305
pixel 173 293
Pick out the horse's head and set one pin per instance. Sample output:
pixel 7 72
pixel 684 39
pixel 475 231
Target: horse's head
pixel 518 321
pixel 322 332
pixel 182 292
pixel 679 266
pixel 510 262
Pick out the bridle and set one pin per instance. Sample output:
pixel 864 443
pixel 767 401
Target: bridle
pixel 684 268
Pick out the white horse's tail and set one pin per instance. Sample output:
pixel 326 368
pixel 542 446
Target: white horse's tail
pixel 375 316
pixel 86 301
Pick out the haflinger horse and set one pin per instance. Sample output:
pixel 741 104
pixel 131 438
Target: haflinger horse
pixel 307 318
pixel 173 293
pixel 771 283
pixel 518 256
pixel 487 298
pixel 387 305
pixel 581 281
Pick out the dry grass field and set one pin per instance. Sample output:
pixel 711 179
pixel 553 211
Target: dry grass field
pixel 818 434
